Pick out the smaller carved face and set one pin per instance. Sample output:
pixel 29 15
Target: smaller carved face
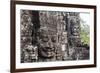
pixel 74 27
pixel 75 30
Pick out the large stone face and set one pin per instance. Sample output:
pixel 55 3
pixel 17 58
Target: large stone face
pixel 54 24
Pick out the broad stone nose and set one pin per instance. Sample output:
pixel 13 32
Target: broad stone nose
pixel 49 44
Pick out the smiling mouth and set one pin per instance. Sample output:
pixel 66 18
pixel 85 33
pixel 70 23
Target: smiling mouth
pixel 46 52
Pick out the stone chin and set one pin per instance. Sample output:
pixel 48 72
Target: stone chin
pixel 46 52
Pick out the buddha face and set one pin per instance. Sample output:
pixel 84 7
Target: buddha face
pixel 75 30
pixel 47 44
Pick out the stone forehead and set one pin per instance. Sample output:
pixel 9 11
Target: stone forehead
pixel 47 31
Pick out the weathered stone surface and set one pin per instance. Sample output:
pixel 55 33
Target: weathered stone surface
pixel 51 36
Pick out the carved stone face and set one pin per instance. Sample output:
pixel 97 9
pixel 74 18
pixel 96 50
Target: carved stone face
pixel 75 30
pixel 74 27
pixel 47 44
